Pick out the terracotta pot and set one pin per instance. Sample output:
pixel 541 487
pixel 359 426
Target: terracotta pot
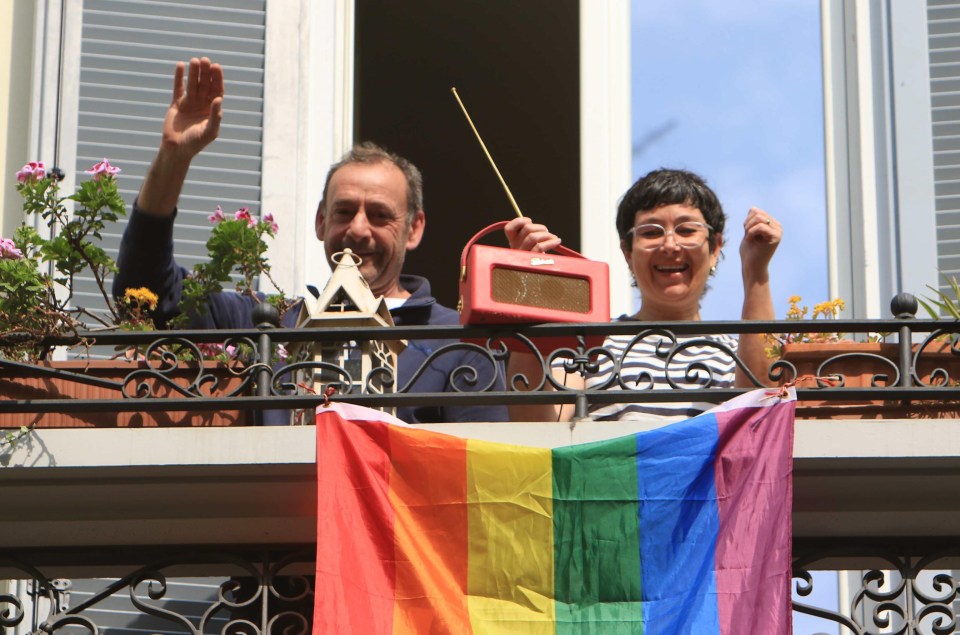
pixel 868 364
pixel 35 386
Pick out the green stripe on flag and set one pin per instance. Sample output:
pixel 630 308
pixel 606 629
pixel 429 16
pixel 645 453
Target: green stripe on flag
pixel 596 538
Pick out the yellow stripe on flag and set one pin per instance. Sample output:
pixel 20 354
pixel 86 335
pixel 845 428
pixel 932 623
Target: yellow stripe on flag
pixel 510 522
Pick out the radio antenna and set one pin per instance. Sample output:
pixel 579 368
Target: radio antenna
pixel 506 189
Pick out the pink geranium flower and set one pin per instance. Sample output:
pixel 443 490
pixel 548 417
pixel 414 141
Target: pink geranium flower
pixel 8 250
pixel 217 216
pixel 210 350
pixel 33 171
pixel 244 214
pixel 102 168
pixel 268 219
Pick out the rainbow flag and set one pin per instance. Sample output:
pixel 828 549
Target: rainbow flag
pixel 681 530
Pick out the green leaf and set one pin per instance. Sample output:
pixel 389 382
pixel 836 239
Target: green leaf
pixel 947 303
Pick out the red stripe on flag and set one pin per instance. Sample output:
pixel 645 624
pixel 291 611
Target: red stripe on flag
pixel 355 526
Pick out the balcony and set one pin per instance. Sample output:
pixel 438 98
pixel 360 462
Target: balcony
pixel 141 502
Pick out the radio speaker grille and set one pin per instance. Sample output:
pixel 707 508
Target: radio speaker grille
pixel 527 288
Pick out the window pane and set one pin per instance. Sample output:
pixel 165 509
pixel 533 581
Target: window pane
pixel 735 95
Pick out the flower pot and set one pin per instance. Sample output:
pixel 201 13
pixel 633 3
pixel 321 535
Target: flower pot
pixel 871 364
pixel 124 377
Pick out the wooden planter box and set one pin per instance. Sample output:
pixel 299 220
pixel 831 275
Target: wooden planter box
pixel 38 387
pixel 860 369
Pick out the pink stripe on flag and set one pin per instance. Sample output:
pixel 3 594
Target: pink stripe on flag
pixel 755 493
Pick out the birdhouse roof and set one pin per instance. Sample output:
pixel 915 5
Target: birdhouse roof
pixel 346 296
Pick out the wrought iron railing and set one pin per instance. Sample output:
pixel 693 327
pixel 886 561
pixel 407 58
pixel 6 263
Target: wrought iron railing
pixel 916 367
pixel 271 591
pixel 267 591
pixel 911 590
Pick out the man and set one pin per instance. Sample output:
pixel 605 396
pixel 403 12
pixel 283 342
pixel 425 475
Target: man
pixel 372 203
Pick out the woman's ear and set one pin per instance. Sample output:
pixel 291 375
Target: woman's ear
pixel 715 253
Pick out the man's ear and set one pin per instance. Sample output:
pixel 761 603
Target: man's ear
pixel 415 233
pixel 318 222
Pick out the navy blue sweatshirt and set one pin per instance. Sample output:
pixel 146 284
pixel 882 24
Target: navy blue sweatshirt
pixel 146 260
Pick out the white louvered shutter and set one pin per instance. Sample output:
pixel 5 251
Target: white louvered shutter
pixel 128 52
pixel 943 20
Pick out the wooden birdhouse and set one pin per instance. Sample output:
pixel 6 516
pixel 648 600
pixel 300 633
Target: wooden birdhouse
pixel 362 366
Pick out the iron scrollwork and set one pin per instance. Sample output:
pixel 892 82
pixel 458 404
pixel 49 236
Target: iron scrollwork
pixel 928 351
pixel 259 597
pixel 905 595
pixel 47 595
pixel 674 370
pixel 167 359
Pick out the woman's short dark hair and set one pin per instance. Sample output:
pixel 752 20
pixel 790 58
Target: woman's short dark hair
pixel 670 187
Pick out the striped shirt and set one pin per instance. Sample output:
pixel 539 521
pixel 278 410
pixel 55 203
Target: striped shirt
pixel 645 368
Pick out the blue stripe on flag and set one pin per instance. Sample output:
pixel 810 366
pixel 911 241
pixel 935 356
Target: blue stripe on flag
pixel 678 524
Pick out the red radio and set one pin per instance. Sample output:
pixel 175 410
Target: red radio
pixel 511 286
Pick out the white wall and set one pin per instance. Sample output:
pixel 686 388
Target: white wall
pixel 308 124
pixel 16 68
pixel 605 135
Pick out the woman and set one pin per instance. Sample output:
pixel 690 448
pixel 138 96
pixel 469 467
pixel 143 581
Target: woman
pixel 671 234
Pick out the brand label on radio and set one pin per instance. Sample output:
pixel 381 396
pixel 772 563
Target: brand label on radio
pixel 535 262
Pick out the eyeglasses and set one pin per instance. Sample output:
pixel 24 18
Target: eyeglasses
pixel 688 235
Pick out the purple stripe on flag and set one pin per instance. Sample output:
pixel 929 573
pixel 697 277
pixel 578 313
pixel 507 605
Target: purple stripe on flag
pixel 754 489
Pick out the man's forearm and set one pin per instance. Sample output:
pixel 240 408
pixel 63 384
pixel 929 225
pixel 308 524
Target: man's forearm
pixel 162 184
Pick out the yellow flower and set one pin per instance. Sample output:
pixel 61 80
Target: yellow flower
pixel 141 297
pixel 796 312
pixel 830 309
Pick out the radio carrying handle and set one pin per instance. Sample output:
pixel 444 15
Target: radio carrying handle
pixel 560 249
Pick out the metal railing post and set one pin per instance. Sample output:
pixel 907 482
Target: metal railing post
pixel 904 307
pixel 265 317
pixel 581 411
